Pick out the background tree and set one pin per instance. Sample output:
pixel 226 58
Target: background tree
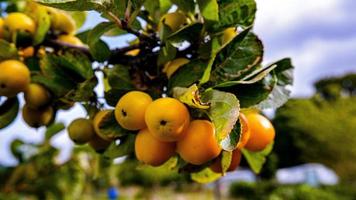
pixel 321 128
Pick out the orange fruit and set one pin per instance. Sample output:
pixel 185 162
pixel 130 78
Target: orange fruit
pixel 151 151
pixel 235 161
pixel 262 132
pixel 199 144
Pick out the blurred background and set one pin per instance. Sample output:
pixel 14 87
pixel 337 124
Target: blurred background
pixel 315 146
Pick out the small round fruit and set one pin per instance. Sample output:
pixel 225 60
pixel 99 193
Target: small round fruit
pixel 173 20
pixel 62 22
pixel 261 132
pixel 167 119
pixel 14 78
pixel 235 161
pixel 172 66
pixel 98 144
pixel 81 131
pixel 98 119
pixel 1 27
pixel 37 96
pixel 151 151
pixel 199 145
pixel 19 22
pixel 245 133
pixel 228 35
pixel 36 118
pixel 131 108
pixel 70 39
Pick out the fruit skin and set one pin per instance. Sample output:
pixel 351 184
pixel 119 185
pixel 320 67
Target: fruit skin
pixel 174 20
pixel 62 22
pixel 37 96
pixel 14 78
pixel 133 52
pixel 130 110
pixel 199 145
pixel 36 118
pixel 27 52
pixel 96 122
pixel 262 132
pixel 245 135
pixel 167 119
pixel 1 27
pixel 228 35
pixel 20 22
pixel 70 39
pixel 98 144
pixel 172 66
pixel 235 161
pixel 151 151
pixel 81 131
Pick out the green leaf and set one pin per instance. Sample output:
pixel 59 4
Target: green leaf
pixel 109 127
pixel 77 5
pixel 230 142
pixel 188 74
pixel 53 130
pixel 79 18
pixel 125 147
pixel 241 55
pixel 7 50
pixel 205 176
pixel 257 159
pixel 8 111
pixel 99 49
pixel 282 89
pixel 223 112
pixel 209 9
pixel 270 92
pixel 189 33
pixel 167 53
pixel 84 91
pixel 189 96
pixel 226 158
pixel 119 77
pixel 42 19
pixel 185 5
pixel 234 13
pixel 58 85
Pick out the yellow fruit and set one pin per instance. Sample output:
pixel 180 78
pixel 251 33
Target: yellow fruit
pixel 235 161
pixel 81 131
pixel 131 108
pixel 151 151
pixel 228 35
pixel 199 145
pixel 172 66
pixel 167 119
pixel 19 22
pixel 262 132
pixel 98 144
pixel 96 122
pixel 173 20
pixel 62 22
pixel 1 27
pixel 37 117
pixel 14 78
pixel 37 96
pixel 70 39
pixel 133 52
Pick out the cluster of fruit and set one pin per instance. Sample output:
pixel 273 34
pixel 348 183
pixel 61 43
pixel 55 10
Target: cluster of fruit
pixel 19 29
pixel 165 128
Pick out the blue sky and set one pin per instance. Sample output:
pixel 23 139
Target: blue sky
pixel 319 36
